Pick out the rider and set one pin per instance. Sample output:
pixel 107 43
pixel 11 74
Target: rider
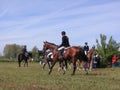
pixel 65 42
pixel 24 50
pixel 86 48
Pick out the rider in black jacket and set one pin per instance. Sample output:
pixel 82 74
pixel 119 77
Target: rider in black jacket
pixel 65 40
pixel 86 48
pixel 64 44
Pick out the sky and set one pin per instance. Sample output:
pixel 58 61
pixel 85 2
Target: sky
pixel 31 22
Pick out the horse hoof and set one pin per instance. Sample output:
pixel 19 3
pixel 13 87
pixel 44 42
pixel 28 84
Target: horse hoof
pixel 49 73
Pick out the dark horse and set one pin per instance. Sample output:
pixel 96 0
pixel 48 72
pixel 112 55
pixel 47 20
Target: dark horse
pixel 90 61
pixel 24 57
pixel 75 53
pixel 54 49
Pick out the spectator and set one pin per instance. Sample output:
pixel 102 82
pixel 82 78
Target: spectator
pixel 114 60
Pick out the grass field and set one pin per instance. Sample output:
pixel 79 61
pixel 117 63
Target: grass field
pixel 34 78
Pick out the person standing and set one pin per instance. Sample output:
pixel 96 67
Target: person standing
pixel 114 60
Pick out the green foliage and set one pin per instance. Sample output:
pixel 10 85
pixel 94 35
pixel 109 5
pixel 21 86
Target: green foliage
pixel 35 53
pixel 106 50
pixel 11 51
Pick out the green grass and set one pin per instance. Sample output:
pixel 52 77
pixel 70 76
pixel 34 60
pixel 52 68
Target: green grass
pixel 34 78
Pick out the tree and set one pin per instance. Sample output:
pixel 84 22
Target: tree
pixel 106 50
pixel 11 50
pixel 35 53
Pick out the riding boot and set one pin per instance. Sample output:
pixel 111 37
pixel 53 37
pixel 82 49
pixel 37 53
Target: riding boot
pixel 61 55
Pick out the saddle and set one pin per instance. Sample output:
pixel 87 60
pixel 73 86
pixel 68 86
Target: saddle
pixel 26 54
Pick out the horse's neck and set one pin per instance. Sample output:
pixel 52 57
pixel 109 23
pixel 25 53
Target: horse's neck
pixel 90 52
pixel 52 48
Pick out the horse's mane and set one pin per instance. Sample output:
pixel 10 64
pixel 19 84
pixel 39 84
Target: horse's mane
pixel 91 51
pixel 51 43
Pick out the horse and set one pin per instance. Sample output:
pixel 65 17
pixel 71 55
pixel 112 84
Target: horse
pixel 54 49
pixel 89 56
pixel 41 56
pixel 24 57
pixel 46 58
pixel 90 61
pixel 75 53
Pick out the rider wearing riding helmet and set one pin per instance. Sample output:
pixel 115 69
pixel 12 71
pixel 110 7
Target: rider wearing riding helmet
pixel 86 48
pixel 24 50
pixel 65 42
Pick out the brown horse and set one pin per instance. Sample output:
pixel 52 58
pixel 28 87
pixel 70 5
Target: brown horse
pixel 54 49
pixel 89 55
pixel 75 53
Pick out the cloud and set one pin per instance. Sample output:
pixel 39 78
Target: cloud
pixel 34 22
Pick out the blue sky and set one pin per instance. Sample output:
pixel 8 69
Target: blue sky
pixel 30 22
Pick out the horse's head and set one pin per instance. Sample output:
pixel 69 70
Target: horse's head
pixel 45 46
pixel 48 45
pixel 89 55
pixel 30 55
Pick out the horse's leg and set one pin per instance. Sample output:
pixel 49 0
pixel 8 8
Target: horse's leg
pixel 90 65
pixel 66 65
pixel 82 65
pixel 49 63
pixel 86 66
pixel 74 65
pixel 63 67
pixel 53 63
pixel 69 65
pixel 27 62
pixel 19 60
pixel 19 63
pixel 24 62
pixel 44 64
pixel 78 64
pixel 59 68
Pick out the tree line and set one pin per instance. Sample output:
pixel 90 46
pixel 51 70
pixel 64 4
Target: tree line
pixel 105 47
pixel 11 51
